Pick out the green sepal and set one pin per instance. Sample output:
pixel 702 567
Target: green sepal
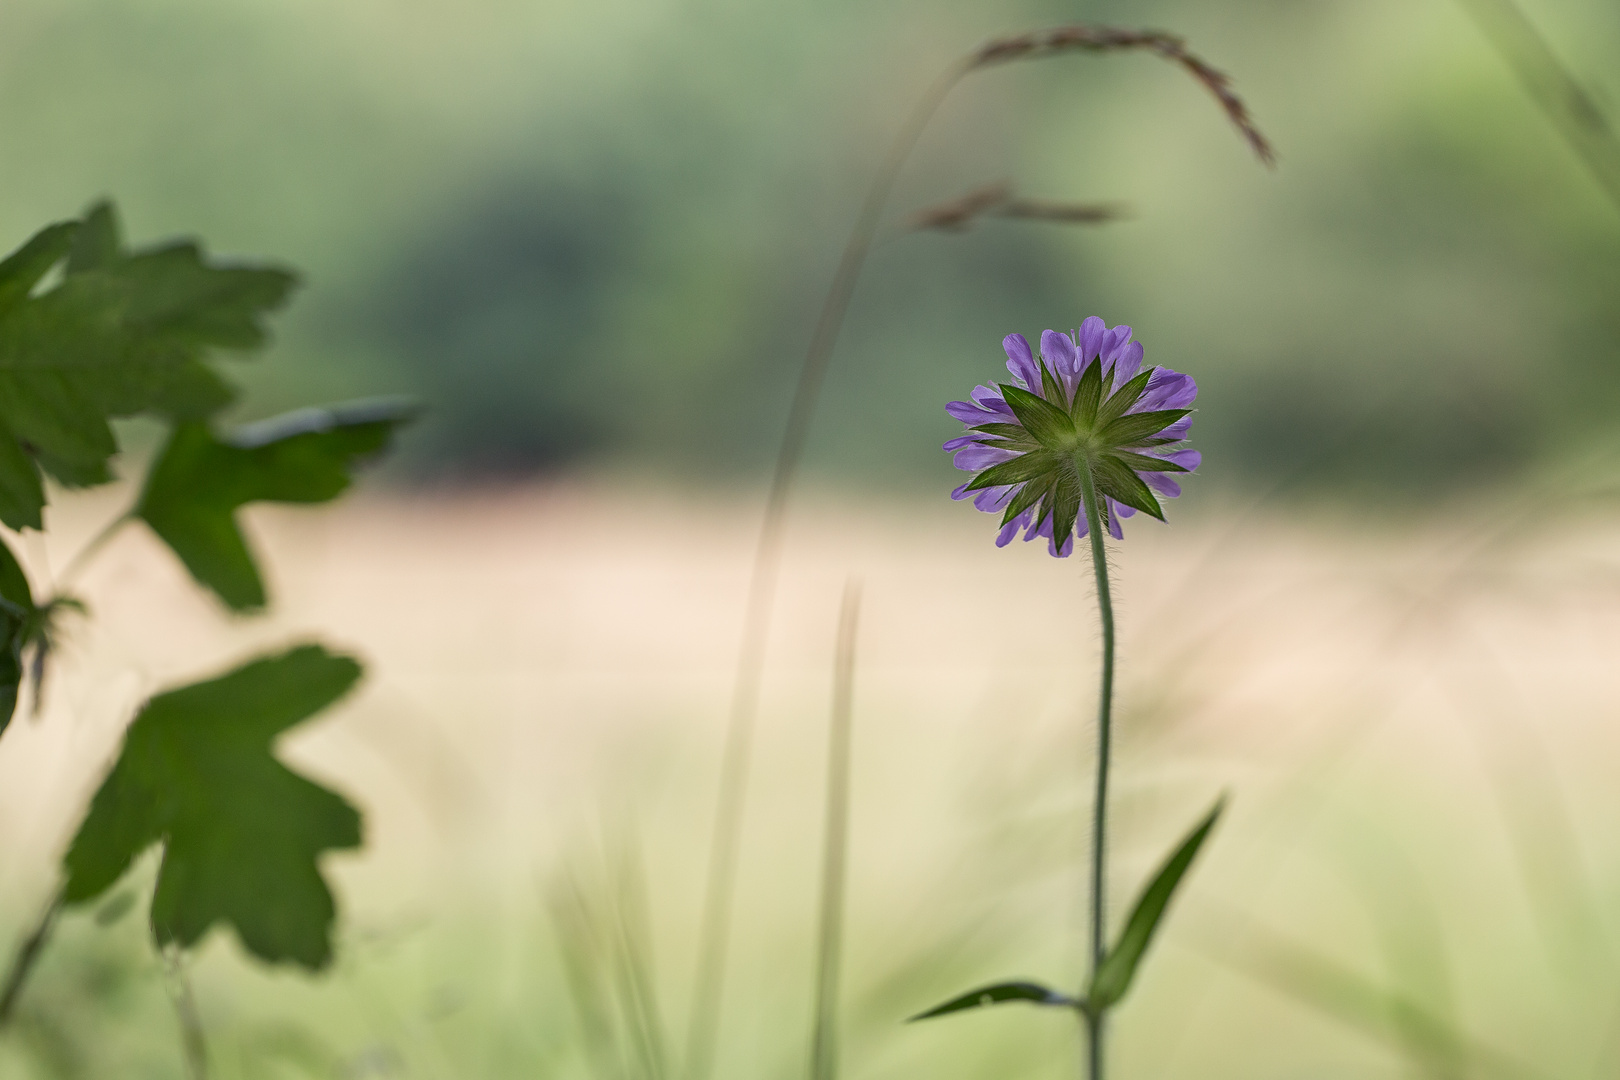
pixel 1113 977
pixel 1065 502
pixel 1087 396
pixel 1052 389
pixel 1120 483
pixel 1122 399
pixel 996 994
pixel 1049 424
pixel 1145 463
pixel 1131 428
pixel 1026 497
pixel 1009 436
pixel 1020 469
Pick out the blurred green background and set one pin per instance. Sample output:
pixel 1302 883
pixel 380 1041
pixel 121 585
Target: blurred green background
pixel 596 234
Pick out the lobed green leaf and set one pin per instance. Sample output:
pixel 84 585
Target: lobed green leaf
pixel 240 832
pixel 17 613
pixel 997 994
pixel 199 481
pixel 1113 977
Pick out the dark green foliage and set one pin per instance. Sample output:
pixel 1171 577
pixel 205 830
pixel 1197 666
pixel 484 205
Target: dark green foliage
pixel 996 994
pixel 1113 977
pixel 119 334
pixel 199 481
pixel 16 617
pixel 240 832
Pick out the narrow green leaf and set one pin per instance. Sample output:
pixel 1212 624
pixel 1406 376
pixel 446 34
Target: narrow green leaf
pixel 23 268
pixel 240 832
pixel 1019 469
pixel 1048 423
pixel 1120 483
pixel 1123 398
pixel 1087 396
pixel 1011 436
pixel 16 615
pixel 198 482
pixel 996 994
pixel 1113 978
pixel 1132 428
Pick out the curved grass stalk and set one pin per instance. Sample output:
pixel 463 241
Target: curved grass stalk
pixel 720 886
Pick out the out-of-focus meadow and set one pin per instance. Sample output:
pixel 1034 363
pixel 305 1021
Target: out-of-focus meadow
pixel 592 239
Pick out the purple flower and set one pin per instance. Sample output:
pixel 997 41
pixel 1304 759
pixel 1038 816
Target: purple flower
pixel 1085 404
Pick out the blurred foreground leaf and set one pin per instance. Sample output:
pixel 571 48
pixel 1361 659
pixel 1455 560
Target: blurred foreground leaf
pixel 1113 977
pixel 120 333
pixel 16 614
pixel 240 832
pixel 199 480
pixel 996 994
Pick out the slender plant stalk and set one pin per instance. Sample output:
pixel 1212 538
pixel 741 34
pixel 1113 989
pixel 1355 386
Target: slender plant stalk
pixel 720 886
pixel 27 956
pixel 1099 810
pixel 835 851
pixel 193 1041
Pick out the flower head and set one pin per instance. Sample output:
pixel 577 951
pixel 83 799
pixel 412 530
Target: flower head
pixel 1085 404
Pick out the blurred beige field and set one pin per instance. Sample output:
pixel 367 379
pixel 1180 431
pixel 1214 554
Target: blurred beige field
pixel 1416 724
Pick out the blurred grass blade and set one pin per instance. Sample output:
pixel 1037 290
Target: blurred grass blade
pixel 1114 977
pixel 996 994
pixel 1355 1001
pixel 579 940
pixel 835 851
pixel 638 993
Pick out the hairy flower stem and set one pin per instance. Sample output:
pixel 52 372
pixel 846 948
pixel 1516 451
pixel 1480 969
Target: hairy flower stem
pixel 1099 810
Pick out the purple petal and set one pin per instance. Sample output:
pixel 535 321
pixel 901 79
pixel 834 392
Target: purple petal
pixel 1162 483
pixel 1020 361
pixel 1009 530
pixel 1113 523
pixel 1177 430
pixel 1124 511
pixel 961 491
pixel 1167 389
pixel 978 456
pixel 1187 458
pixel 1063 552
pixel 963 440
pixel 969 413
pixel 986 398
pixel 994 499
pixel 1128 364
pixel 1114 342
pixel 1058 352
pixel 1091 336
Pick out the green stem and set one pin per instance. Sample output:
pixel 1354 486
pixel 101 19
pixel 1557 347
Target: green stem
pixel 1105 704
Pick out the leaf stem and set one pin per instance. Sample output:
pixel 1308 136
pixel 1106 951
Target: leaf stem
pixel 27 956
pixel 82 558
pixel 1099 810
